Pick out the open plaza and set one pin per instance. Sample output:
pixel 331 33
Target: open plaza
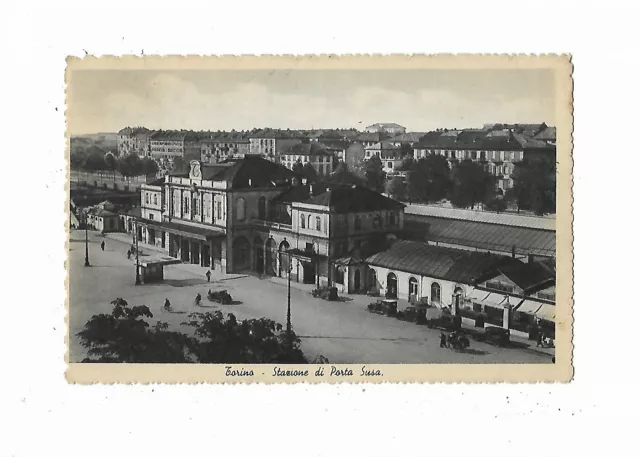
pixel 343 331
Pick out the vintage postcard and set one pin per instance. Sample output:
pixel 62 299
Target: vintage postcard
pixel 316 219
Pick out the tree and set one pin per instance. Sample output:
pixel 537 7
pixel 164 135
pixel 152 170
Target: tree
pixel 534 185
pixel 342 175
pixel 94 161
pixel 124 336
pixel 227 340
pixel 373 174
pixel 298 167
pixel 309 172
pixel 130 165
pixel 179 165
pixel 111 162
pixel 472 184
pixel 396 188
pixel 406 150
pixel 428 179
pixel 149 166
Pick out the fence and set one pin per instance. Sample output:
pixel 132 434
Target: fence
pixel 110 180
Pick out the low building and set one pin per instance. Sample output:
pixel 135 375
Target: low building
pixel 389 128
pixel 314 153
pixel 467 282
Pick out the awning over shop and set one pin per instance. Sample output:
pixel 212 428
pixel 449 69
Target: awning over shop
pixel 529 307
pixel 494 300
pixel 305 255
pixel 198 233
pixel 347 261
pixel 477 295
pixel 547 312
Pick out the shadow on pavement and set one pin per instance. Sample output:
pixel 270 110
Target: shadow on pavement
pixel 179 282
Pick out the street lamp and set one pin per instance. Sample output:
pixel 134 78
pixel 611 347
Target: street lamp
pixel 289 338
pixel 137 257
pixel 86 240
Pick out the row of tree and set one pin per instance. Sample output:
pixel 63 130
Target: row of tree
pixel 126 336
pixel 97 160
pixel 466 184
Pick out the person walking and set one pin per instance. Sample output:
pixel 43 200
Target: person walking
pixel 208 274
pixel 443 340
pixel 129 254
pixel 540 340
pixel 102 245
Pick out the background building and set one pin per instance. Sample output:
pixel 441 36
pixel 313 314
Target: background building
pixel 389 128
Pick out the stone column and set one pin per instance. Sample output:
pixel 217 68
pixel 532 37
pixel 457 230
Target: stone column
pixel 202 253
pixel 223 256
pixel 506 315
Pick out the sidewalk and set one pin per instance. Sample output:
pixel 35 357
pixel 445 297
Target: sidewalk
pixel 194 269
pixel 524 341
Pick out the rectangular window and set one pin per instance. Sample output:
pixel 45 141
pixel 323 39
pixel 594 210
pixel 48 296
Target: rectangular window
pixel 151 216
pixel 495 285
pixel 146 197
pixel 218 210
pixel 155 199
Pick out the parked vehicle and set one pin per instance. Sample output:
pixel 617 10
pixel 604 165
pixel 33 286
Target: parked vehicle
pixel 221 296
pixel 326 293
pixel 445 322
pixel 497 335
pixel 414 313
pixel 386 307
pixel 458 341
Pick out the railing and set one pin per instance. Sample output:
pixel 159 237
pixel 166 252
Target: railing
pixel 271 224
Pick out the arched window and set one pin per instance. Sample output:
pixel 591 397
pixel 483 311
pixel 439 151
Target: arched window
pixel 309 226
pixel 458 295
pixel 262 208
pixel 302 220
pixel 241 207
pixel 435 292
pixel 392 286
pixel 413 287
pixel 357 223
pixel 318 224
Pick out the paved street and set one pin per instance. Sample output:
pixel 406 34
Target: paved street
pixel 344 332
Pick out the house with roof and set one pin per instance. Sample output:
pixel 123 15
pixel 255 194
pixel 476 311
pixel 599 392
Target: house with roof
pixel 409 138
pixel 314 153
pixel 251 214
pixel 270 143
pixel 126 139
pixel 461 280
pixel 388 127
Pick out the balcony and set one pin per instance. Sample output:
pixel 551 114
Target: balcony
pixel 271 224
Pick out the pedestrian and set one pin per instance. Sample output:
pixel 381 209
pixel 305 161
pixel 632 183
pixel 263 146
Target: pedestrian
pixel 539 342
pixel 443 340
pixel 208 275
pixel 102 245
pixel 129 254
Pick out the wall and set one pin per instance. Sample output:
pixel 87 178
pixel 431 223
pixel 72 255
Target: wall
pixel 424 285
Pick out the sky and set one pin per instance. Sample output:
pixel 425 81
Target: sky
pixel 419 99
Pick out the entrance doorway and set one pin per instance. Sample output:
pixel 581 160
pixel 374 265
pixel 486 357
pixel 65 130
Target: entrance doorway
pixel 392 286
pixel 271 257
pixel 195 252
pixel 206 255
pixel 259 257
pixel 356 281
pixel 308 272
pixel 184 250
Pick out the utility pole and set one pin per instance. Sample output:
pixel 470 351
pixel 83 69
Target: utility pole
pixel 137 258
pixel 289 338
pixel 86 240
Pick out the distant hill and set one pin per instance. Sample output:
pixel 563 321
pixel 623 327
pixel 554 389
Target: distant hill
pixel 105 141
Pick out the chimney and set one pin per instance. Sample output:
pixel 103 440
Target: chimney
pixel 310 190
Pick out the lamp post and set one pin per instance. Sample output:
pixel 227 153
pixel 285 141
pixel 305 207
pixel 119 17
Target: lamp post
pixel 137 257
pixel 86 240
pixel 289 338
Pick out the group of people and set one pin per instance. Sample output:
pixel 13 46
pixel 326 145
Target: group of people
pixel 544 341
pixel 446 340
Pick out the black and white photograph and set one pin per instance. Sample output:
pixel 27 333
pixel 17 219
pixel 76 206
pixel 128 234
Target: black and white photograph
pixel 346 217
